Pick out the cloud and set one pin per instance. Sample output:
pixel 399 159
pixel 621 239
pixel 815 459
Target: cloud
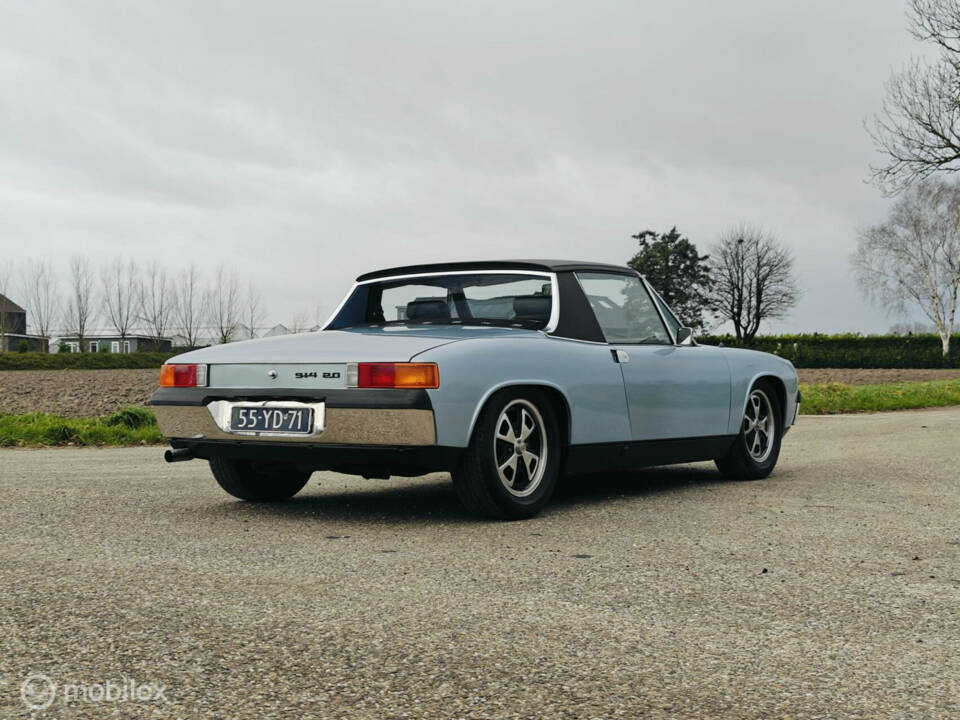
pixel 306 142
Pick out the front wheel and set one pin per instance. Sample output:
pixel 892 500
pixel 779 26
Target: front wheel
pixel 258 482
pixel 511 467
pixel 754 453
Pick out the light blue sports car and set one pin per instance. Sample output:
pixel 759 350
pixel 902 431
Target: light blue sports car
pixel 509 375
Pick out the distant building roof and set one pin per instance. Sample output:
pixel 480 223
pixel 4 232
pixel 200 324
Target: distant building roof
pixel 9 306
pixel 111 336
pixel 243 332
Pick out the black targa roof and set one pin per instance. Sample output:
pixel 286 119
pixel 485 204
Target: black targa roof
pixel 533 265
pixel 576 321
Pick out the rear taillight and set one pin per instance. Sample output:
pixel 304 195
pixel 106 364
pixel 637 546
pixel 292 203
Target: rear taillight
pixel 393 375
pixel 183 376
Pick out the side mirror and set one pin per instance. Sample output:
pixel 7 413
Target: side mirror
pixel 684 336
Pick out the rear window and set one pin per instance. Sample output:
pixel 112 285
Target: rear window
pixel 511 299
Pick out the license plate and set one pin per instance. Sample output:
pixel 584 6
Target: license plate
pixel 272 420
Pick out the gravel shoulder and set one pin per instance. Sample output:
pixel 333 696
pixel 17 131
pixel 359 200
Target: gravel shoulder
pixel 829 590
pixel 86 393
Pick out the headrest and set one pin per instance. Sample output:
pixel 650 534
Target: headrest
pixel 532 307
pixel 428 309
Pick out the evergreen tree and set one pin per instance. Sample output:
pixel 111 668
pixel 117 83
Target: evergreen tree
pixel 676 270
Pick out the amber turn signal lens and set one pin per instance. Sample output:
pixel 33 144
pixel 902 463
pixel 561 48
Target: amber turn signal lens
pixel 416 375
pixel 398 375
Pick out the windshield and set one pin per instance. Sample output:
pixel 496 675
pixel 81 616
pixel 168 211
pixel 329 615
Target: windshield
pixel 506 299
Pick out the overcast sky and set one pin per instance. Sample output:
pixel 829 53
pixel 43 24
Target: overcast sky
pixel 307 142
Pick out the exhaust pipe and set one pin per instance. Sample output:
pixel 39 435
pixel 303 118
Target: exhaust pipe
pixel 179 455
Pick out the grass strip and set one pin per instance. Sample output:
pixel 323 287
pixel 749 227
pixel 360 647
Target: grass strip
pixel 128 426
pixel 829 398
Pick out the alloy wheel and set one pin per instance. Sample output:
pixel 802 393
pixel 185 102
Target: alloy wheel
pixel 759 426
pixel 520 447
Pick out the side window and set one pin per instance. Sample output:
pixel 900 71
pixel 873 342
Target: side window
pixel 624 309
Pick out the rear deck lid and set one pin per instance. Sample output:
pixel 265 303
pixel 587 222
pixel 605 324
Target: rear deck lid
pixel 333 347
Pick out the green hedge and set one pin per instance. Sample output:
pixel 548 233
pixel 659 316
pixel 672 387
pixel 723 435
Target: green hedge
pixel 804 351
pixel 851 351
pixel 81 361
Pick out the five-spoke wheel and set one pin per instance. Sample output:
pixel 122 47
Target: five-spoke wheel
pixel 511 466
pixel 759 428
pixel 754 454
pixel 520 447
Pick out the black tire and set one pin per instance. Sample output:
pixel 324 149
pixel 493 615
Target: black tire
pixel 258 482
pixel 739 463
pixel 477 480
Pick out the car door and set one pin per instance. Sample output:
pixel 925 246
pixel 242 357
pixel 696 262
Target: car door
pixel 673 391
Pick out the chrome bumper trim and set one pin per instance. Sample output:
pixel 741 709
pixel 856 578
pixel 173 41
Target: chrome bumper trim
pixel 342 426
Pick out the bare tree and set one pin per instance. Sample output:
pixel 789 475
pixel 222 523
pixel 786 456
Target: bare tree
pixel 918 127
pixel 224 303
pixel 121 295
pixel 39 288
pixel 300 323
pixel 253 310
pixel 156 303
pixel 913 259
pixel 189 306
pixel 318 316
pixel 79 310
pixel 752 280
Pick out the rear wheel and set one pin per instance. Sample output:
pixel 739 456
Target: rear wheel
pixel 511 467
pixel 754 453
pixel 258 482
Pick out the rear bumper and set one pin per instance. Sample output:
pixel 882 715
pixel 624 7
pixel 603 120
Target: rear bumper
pixel 353 417
pixel 372 433
pixel 344 426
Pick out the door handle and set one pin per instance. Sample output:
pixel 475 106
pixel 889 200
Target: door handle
pixel 620 356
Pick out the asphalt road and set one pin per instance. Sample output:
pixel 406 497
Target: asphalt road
pixel 831 590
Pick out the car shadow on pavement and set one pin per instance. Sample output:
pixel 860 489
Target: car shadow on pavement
pixel 644 482
pixel 432 499
pixel 420 500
